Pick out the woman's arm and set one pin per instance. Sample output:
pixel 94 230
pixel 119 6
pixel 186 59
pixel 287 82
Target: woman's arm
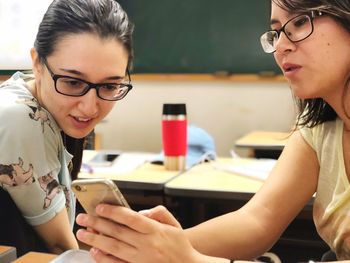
pixel 57 233
pixel 128 236
pixel 253 229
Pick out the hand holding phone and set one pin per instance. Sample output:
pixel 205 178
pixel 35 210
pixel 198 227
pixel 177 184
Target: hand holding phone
pixel 91 192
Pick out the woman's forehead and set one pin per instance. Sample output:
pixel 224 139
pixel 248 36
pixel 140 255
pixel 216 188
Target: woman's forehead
pixel 279 14
pixel 88 45
pixel 89 54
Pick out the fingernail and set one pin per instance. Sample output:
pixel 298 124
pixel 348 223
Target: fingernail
pixel 93 251
pixel 81 218
pixel 81 234
pixel 100 208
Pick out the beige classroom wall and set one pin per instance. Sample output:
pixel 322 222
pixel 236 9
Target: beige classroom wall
pixel 226 110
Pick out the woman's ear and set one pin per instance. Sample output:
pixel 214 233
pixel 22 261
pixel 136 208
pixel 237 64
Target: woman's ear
pixel 36 64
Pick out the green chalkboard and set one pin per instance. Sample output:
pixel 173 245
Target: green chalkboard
pixel 199 36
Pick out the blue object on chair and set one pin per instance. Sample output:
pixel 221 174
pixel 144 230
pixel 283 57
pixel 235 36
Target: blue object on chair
pixel 200 147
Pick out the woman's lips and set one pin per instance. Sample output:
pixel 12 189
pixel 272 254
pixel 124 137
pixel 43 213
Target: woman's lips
pixel 290 69
pixel 81 122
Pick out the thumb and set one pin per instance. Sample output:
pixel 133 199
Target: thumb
pixel 162 215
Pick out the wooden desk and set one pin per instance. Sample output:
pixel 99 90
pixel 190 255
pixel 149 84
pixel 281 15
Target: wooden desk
pixel 205 181
pixel 264 144
pixel 7 254
pixel 35 257
pixel 4 249
pixel 204 192
pixel 263 140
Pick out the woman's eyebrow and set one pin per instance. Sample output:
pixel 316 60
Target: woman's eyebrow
pixel 274 21
pixel 72 71
pixel 78 73
pixel 115 77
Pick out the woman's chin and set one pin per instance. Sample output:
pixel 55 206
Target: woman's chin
pixel 77 134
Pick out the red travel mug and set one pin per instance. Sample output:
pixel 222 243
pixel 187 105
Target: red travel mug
pixel 174 136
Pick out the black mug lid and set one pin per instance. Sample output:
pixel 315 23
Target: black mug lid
pixel 174 109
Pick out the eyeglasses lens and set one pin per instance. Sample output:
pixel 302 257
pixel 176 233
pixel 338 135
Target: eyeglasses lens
pixel 297 29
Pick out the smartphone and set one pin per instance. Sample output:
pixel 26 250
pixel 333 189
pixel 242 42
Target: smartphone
pixel 91 192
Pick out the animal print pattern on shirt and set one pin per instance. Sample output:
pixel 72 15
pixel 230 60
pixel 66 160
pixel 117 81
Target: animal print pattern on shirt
pixel 50 186
pixel 38 113
pixel 14 174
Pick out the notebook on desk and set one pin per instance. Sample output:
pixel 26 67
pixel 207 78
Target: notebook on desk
pixel 254 168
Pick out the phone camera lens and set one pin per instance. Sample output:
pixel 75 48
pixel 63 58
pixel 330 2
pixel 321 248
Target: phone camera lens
pixel 78 187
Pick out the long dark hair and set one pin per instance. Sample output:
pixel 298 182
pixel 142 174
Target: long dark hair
pixel 105 18
pixel 316 111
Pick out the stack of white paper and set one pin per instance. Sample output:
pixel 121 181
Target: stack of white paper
pixel 124 163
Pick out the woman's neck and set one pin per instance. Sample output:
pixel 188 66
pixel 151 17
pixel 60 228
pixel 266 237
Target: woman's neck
pixel 340 106
pixel 33 88
pixel 31 84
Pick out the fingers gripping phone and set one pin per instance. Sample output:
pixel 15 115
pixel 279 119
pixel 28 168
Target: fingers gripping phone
pixel 91 192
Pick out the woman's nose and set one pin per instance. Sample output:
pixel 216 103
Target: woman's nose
pixel 88 104
pixel 283 44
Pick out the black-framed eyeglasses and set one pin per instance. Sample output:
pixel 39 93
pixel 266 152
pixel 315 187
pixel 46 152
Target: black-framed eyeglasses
pixel 296 29
pixel 76 87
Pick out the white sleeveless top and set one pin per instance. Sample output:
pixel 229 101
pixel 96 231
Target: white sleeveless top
pixel 331 211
